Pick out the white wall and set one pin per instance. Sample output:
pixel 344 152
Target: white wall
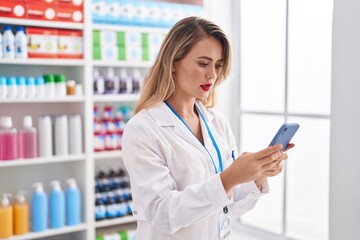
pixel 345 123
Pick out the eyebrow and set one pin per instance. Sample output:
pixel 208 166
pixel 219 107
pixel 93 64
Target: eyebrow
pixel 209 58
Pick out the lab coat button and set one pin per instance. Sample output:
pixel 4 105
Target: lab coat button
pixel 135 212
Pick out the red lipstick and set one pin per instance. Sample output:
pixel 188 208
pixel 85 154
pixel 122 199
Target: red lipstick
pixel 206 87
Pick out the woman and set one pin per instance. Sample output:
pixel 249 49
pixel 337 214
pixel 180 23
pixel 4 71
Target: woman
pixel 180 154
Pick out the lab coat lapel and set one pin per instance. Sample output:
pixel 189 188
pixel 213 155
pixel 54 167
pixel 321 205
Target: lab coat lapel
pixel 164 117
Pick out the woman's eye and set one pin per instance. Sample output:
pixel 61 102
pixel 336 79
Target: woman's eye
pixel 203 64
pixel 218 66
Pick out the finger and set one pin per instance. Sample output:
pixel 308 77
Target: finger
pixel 270 166
pixel 289 146
pixel 268 151
pixel 271 158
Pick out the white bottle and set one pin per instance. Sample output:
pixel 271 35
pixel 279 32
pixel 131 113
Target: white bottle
pixel 11 87
pixel 30 87
pixel 45 136
pixel 21 50
pixel 126 79
pixel 8 43
pixel 3 87
pixel 21 87
pixel 40 87
pixel 1 46
pixel 99 82
pixel 61 135
pixel 75 134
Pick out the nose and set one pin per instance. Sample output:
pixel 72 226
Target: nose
pixel 211 73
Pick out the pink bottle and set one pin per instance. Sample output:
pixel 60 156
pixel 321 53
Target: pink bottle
pixel 8 139
pixel 27 139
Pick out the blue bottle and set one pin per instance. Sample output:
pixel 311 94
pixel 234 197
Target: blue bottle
pixel 73 203
pixel 57 205
pixel 39 208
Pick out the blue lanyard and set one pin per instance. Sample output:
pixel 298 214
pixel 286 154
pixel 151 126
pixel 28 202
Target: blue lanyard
pixel 210 134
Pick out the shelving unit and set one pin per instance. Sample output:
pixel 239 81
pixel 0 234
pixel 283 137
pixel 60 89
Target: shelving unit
pixel 20 174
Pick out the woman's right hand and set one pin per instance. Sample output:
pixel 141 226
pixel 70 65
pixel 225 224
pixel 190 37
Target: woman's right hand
pixel 250 166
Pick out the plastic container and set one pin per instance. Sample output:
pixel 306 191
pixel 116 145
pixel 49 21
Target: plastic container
pixel 21 49
pixel 61 139
pixel 70 87
pixel 40 87
pixel 30 87
pixel 75 134
pixel 45 136
pixel 99 82
pixel 126 82
pixel 138 80
pixel 6 217
pixel 8 43
pixel 112 82
pixel 1 46
pixel 57 205
pixel 3 87
pixel 28 139
pixel 73 203
pixel 8 139
pixel 21 214
pixel 21 87
pixel 50 90
pixel 11 87
pixel 60 85
pixel 39 208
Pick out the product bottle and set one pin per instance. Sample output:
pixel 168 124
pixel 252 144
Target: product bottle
pixel 138 80
pixel 73 203
pixel 60 85
pixel 21 87
pixel 21 214
pixel 99 82
pixel 30 87
pixel 50 91
pixel 8 43
pixel 111 82
pixel 3 87
pixel 27 139
pixel 45 136
pixel 57 205
pixel 6 217
pixel 39 208
pixel 8 140
pixel 126 83
pixel 11 87
pixel 61 135
pixel 40 87
pixel 75 134
pixel 21 50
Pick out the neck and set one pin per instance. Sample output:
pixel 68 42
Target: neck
pixel 185 109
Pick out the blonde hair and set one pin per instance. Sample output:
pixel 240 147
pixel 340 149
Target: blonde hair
pixel 159 83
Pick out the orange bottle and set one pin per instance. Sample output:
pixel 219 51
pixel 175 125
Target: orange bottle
pixel 6 217
pixel 21 214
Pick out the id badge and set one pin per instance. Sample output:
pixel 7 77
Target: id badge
pixel 225 226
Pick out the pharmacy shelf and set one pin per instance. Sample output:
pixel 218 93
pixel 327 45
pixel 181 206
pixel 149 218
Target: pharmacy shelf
pixel 69 99
pixel 43 160
pixel 51 232
pixel 115 221
pixel 39 23
pixel 116 98
pixel 113 27
pixel 125 64
pixel 44 62
pixel 108 154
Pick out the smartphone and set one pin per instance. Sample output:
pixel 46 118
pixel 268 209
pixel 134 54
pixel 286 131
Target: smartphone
pixel 285 134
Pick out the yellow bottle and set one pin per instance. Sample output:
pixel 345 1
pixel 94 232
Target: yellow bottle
pixel 21 214
pixel 6 217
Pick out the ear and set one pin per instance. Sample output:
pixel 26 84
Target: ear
pixel 173 68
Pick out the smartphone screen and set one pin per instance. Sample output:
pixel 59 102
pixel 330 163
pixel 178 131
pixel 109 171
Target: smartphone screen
pixel 285 134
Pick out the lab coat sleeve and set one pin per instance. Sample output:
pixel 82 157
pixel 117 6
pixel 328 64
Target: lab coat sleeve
pixel 246 195
pixel 155 195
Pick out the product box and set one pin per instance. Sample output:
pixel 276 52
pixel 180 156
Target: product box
pixel 109 53
pixel 70 44
pixel 40 11
pixel 98 11
pixel 96 37
pixel 42 2
pixel 112 12
pixel 69 14
pixel 96 52
pixel 108 38
pixel 133 38
pixel 127 12
pixel 42 42
pixel 70 3
pixel 12 9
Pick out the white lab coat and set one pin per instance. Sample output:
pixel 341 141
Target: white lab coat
pixel 176 193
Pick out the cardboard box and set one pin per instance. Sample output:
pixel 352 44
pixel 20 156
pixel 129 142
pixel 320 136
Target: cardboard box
pixel 70 3
pixel 42 42
pixel 40 11
pixel 70 44
pixel 69 14
pixel 12 9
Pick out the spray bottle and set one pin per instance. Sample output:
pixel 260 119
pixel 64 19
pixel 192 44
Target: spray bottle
pixel 21 214
pixel 57 205
pixel 73 203
pixel 6 216
pixel 39 208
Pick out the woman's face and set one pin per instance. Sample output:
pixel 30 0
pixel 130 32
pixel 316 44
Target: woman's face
pixel 196 73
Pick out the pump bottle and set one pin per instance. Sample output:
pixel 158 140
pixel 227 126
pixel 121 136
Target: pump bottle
pixel 21 214
pixel 27 139
pixel 73 203
pixel 6 216
pixel 39 208
pixel 8 139
pixel 57 205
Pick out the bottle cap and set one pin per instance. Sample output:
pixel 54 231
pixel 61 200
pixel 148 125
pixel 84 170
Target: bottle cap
pixel 6 122
pixel 30 80
pixel 20 80
pixel 39 80
pixel 49 78
pixel 20 28
pixel 20 197
pixel 27 122
pixel 59 78
pixel 7 27
pixel 71 182
pixel 11 80
pixel 5 199
pixel 55 184
pixel 2 80
pixel 38 187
